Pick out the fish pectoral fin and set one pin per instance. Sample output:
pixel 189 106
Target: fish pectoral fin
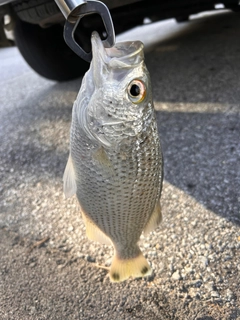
pixel 154 220
pixel 100 155
pixel 122 269
pixel 69 180
pixel 93 232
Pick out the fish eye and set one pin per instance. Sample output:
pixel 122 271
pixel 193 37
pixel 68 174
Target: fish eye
pixel 136 91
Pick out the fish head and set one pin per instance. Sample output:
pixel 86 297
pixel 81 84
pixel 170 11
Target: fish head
pixel 121 105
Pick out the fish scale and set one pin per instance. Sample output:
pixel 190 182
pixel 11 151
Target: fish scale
pixel 124 171
pixel 115 163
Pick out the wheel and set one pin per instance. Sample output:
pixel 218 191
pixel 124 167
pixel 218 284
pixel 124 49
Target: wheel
pixel 47 53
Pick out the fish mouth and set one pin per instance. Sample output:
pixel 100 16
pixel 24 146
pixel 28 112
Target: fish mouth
pixel 127 54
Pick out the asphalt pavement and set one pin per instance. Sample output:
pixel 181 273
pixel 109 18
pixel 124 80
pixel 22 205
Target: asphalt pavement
pixel 47 265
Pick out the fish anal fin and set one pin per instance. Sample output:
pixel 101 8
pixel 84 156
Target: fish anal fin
pixel 122 269
pixel 154 220
pixel 69 180
pixel 93 232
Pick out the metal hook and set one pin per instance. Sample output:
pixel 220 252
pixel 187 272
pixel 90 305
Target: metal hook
pixel 74 12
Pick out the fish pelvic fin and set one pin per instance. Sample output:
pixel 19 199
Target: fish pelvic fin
pixel 69 180
pixel 122 269
pixel 93 232
pixel 154 220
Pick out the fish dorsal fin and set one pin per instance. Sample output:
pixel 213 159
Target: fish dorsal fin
pixel 93 232
pixel 154 219
pixel 69 180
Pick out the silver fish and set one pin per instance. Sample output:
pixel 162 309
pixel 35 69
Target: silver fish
pixel 115 161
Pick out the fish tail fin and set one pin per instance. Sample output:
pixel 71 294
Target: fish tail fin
pixel 122 269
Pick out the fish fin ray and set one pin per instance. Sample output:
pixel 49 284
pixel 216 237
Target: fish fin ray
pixel 100 155
pixel 122 269
pixel 69 181
pixel 93 232
pixel 154 220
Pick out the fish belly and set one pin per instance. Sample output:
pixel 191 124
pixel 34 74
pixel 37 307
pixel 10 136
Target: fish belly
pixel 118 188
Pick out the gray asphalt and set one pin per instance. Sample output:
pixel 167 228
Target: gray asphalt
pixel 47 265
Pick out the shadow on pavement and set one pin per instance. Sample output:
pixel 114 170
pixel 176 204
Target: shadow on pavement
pixel 197 97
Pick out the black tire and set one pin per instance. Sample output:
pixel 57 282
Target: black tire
pixel 47 53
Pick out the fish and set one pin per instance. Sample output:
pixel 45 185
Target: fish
pixel 115 164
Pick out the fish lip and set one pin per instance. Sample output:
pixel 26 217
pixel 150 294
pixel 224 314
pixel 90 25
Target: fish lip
pixel 134 47
pixel 127 54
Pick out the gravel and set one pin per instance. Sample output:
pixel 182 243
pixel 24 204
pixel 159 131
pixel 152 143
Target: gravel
pixel 48 267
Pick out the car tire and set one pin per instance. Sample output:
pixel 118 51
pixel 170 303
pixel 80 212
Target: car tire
pixel 47 53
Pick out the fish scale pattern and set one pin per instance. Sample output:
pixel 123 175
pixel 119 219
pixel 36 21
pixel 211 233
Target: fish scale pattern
pixel 119 194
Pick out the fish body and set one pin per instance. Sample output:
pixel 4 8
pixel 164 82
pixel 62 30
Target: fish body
pixel 115 162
